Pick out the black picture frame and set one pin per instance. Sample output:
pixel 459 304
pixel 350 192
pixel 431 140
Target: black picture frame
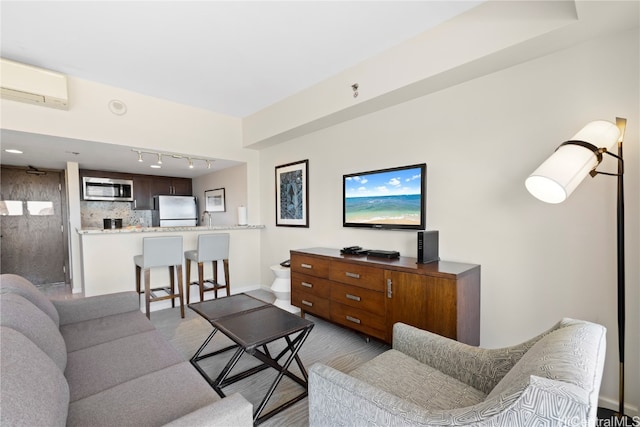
pixel 292 194
pixel 215 200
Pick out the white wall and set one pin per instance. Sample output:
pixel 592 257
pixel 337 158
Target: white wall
pixel 234 182
pixel 480 140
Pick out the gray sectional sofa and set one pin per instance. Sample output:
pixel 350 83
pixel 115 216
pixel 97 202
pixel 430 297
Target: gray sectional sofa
pixel 97 361
pixel 552 379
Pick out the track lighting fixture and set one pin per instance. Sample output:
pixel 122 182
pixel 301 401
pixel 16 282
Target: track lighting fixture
pixel 191 160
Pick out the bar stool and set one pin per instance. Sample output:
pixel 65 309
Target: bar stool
pixel 160 252
pixel 211 247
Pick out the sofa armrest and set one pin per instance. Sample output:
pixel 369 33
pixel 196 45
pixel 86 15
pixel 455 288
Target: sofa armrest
pixel 81 309
pixel 337 399
pixel 233 410
pixel 478 367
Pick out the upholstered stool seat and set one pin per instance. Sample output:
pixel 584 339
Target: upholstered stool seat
pixel 211 247
pixel 160 252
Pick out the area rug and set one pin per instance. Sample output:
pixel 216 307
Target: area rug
pixel 327 343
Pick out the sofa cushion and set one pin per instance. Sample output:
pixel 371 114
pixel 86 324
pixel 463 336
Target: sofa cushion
pixel 171 393
pixel 573 353
pixel 408 379
pixel 34 391
pixel 104 329
pixel 21 315
pixel 12 283
pixel 76 310
pixel 95 369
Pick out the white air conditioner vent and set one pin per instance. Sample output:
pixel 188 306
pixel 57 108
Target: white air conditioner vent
pixel 25 83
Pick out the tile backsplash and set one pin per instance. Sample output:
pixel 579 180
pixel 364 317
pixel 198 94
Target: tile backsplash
pixel 92 214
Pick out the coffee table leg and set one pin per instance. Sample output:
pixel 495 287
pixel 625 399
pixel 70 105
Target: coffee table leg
pixel 198 357
pixel 299 362
pixel 225 372
pixel 195 357
pixel 297 344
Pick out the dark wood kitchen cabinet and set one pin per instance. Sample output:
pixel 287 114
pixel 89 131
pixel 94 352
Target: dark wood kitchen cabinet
pixel 142 195
pixel 171 186
pixel 146 186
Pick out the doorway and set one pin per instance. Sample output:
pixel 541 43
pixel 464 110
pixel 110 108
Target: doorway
pixel 33 235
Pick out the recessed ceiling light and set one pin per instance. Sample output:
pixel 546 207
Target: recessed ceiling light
pixel 156 166
pixel 13 151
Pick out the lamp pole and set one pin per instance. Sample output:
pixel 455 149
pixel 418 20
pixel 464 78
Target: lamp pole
pixel 621 123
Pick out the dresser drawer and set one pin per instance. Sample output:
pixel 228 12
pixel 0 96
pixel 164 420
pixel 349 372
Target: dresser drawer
pixel 310 303
pixel 357 275
pixel 310 265
pixel 364 299
pixel 311 285
pixel 360 320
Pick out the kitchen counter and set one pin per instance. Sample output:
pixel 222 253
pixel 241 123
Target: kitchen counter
pixel 107 257
pixel 166 229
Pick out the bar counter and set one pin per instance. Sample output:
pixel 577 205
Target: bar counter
pixel 107 257
pixel 166 229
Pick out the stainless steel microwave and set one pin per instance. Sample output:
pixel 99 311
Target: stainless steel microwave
pixel 107 189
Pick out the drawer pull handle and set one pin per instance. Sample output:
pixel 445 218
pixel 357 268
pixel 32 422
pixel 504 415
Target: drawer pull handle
pixel 353 319
pixel 353 297
pixel 352 275
pixel 306 285
pixel 307 303
pixel 306 266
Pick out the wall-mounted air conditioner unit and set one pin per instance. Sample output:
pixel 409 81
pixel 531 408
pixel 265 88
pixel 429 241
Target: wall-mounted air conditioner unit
pixel 25 83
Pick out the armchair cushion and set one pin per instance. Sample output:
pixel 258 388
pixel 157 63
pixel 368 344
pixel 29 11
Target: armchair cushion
pixel 408 379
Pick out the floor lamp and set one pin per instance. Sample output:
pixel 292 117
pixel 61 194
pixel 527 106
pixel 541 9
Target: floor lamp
pixel 560 174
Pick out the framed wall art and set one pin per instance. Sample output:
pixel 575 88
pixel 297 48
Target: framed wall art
pixel 214 200
pixel 292 194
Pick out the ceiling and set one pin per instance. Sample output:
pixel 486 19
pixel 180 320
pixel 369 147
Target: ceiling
pixel 230 57
pixel 239 57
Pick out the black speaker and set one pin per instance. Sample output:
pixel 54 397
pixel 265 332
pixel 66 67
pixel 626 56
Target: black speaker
pixel 428 246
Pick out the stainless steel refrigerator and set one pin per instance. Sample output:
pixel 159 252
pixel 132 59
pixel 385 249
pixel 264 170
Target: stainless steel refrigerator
pixel 175 211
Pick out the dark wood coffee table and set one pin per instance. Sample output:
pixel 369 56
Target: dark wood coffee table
pixel 252 324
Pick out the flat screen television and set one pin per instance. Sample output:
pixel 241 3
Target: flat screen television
pixel 393 198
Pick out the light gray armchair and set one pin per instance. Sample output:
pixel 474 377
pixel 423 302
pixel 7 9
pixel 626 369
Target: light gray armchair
pixel 428 380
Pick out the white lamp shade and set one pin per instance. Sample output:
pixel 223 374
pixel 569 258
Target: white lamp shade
pixel 560 174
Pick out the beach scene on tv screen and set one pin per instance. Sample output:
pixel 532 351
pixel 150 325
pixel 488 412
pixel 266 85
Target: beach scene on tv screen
pixel 391 197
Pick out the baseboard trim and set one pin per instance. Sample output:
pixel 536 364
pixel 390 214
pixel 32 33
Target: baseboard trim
pixel 612 404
